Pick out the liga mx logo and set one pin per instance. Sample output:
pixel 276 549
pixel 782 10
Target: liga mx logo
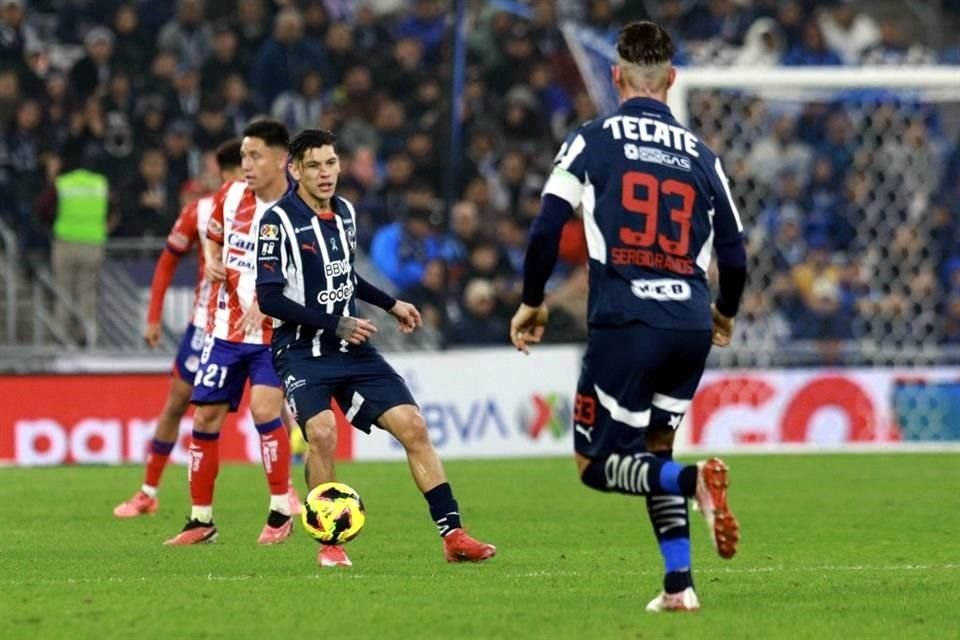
pixel 549 413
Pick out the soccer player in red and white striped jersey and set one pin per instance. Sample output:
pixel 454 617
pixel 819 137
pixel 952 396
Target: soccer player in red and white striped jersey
pixel 187 232
pixel 237 347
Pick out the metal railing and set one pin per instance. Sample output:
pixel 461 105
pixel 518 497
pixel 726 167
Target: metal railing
pixel 9 250
pixel 46 289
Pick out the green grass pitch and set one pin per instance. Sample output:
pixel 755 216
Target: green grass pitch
pixel 834 546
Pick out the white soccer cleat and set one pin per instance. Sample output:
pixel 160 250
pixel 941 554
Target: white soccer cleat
pixel 686 600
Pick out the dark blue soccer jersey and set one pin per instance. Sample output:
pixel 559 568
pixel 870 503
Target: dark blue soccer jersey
pixel 655 200
pixel 312 257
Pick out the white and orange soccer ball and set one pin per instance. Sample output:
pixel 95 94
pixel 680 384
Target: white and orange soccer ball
pixel 333 513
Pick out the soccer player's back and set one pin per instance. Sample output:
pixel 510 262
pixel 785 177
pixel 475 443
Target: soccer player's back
pixel 655 205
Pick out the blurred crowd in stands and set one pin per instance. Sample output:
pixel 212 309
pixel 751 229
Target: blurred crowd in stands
pixel 143 92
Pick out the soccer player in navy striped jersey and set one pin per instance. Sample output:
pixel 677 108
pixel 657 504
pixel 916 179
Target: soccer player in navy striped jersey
pixel 655 204
pixel 321 349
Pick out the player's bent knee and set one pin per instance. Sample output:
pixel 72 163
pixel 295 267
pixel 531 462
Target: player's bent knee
pixel 659 438
pixel 322 432
pixel 416 435
pixel 208 418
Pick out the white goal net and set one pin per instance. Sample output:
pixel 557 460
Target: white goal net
pixel 847 184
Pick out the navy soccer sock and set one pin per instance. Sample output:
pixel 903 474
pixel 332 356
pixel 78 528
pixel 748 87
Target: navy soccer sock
pixel 443 508
pixel 640 474
pixel 671 525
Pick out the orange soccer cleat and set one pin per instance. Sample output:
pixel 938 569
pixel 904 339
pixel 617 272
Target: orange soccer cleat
pixel 333 556
pixel 276 535
pixel 139 505
pixel 711 496
pixel 458 546
pixel 195 532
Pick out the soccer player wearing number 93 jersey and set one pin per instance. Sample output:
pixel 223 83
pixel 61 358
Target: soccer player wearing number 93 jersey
pixel 656 204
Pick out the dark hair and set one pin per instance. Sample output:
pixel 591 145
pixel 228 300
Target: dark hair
pixel 272 132
pixel 645 43
pixel 310 139
pixel 228 155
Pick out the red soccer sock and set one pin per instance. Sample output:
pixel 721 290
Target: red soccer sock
pixel 157 458
pixel 204 465
pixel 275 450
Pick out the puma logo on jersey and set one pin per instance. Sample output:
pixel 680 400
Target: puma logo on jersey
pixel 309 246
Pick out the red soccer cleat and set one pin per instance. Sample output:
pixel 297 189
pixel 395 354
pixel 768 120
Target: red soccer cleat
pixel 139 505
pixel 711 496
pixel 460 547
pixel 276 535
pixel 333 556
pixel 195 532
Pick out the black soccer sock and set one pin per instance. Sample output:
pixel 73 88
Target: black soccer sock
pixel 640 474
pixel 671 525
pixel 443 508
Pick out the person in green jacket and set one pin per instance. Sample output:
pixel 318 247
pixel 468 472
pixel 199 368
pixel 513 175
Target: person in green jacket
pixel 79 234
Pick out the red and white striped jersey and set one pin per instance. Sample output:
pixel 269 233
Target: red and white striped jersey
pixel 201 298
pixel 233 223
pixel 188 230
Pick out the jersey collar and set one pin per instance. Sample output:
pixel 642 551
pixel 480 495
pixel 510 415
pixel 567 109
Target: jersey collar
pixel 307 210
pixel 646 104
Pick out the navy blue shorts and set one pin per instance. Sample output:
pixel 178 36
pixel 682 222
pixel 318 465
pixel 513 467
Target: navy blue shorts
pixel 187 361
pixel 224 368
pixel 361 382
pixel 634 376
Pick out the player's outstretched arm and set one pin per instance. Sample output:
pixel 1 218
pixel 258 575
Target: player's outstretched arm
pixel 529 322
pixel 731 257
pixel 162 277
pixel 407 315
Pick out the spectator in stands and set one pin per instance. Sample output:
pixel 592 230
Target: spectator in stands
pixel 93 70
pixel 402 250
pixel 132 47
pixel 479 324
pixel 303 107
pixel 177 145
pixel 848 31
pixel 402 74
pixel 427 23
pixel 185 102
pixel 224 59
pixel 81 199
pixel 894 48
pixel 761 324
pixel 239 108
pixel 251 27
pixel 341 50
pixel 212 128
pixel 725 20
pixel 16 37
pixel 391 125
pixel 513 181
pixel 370 35
pixel 430 295
pixel 812 50
pixel 188 36
pixel 284 59
pixel 779 152
pixel 762 45
pixel 149 202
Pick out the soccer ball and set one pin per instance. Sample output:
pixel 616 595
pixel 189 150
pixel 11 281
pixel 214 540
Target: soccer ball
pixel 333 513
